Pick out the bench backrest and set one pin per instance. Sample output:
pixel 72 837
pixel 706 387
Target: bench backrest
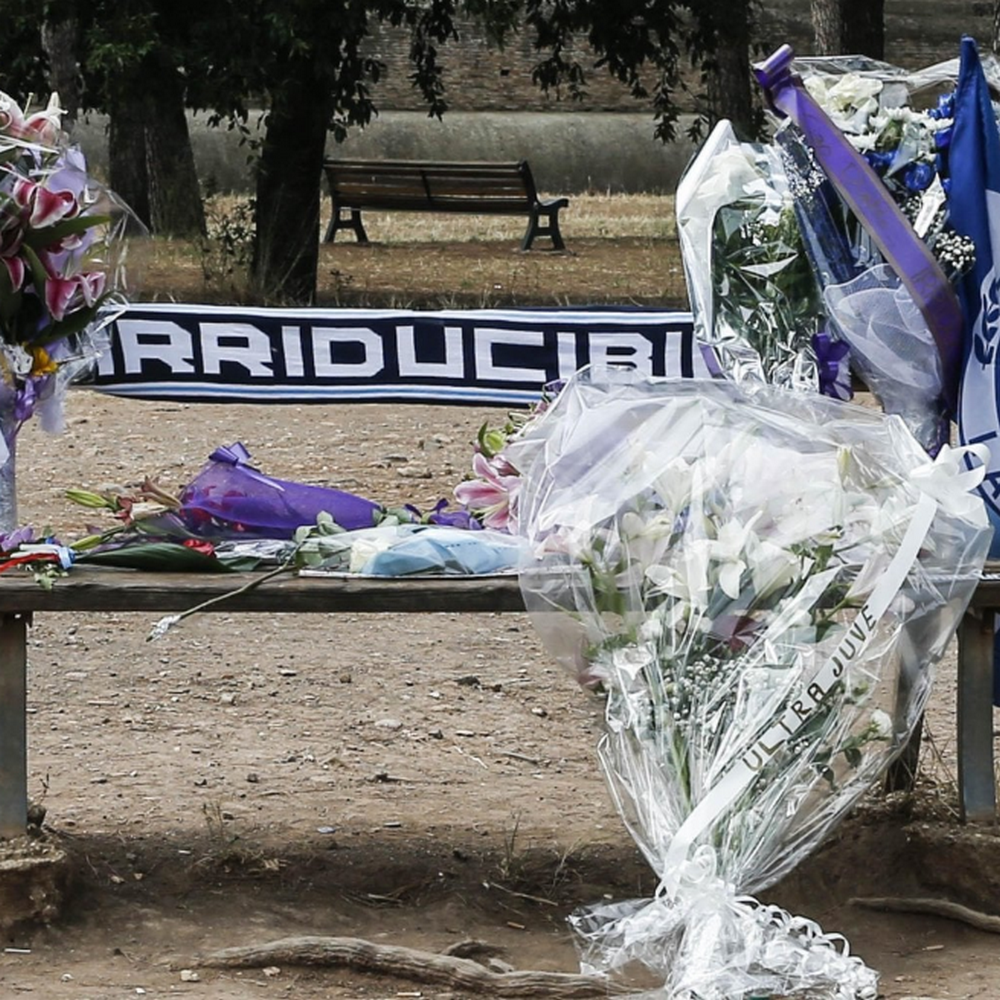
pixel 425 185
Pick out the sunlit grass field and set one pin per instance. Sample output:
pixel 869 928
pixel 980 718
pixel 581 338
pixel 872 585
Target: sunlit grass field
pixel 620 249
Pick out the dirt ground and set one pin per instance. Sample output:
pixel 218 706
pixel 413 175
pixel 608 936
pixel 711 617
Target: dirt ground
pixel 417 781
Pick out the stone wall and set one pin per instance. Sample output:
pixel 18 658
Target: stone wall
pixel 479 77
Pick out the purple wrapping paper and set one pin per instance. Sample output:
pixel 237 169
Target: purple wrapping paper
pixel 229 490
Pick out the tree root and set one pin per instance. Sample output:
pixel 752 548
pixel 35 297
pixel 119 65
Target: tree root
pixel 409 963
pixel 936 907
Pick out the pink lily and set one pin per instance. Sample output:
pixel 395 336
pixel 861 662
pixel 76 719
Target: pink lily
pixel 42 126
pixel 492 494
pixel 11 116
pixel 45 126
pixel 46 207
pixel 66 295
pixel 15 270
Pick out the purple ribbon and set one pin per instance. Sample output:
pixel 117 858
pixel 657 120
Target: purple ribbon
pixel 875 209
pixel 232 454
pixel 236 455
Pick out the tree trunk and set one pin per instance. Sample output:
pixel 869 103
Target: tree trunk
pixel 59 43
pixel 864 27
pixel 729 81
pixel 828 26
pixel 851 27
pixel 127 153
pixel 286 249
pixel 151 162
pixel 175 204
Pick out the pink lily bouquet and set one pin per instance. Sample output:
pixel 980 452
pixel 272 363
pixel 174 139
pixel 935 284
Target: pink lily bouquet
pixel 62 257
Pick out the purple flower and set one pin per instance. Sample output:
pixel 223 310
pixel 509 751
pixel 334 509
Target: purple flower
pixel 879 162
pixel 25 399
pixel 833 366
pixel 918 176
pixel 451 518
pixel 12 540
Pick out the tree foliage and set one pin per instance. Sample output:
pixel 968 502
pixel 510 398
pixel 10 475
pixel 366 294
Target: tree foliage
pixel 308 64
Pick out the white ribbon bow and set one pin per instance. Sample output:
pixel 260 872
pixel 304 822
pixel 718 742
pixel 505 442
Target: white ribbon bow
pixel 950 481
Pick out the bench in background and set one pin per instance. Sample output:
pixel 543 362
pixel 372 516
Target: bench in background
pixel 423 186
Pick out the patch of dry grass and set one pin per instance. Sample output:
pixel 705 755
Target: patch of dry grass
pixel 621 249
pixel 588 217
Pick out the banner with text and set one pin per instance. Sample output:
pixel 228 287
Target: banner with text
pixel 474 356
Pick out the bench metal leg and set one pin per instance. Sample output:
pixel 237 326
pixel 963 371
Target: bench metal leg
pixel 13 728
pixel 352 222
pixel 551 229
pixel 915 637
pixel 976 779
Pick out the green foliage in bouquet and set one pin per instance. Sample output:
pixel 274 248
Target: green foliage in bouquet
pixel 763 286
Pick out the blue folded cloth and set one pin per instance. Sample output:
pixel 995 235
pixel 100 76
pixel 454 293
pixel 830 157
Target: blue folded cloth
pixel 448 551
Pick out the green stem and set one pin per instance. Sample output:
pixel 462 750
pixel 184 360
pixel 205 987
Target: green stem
pixel 165 624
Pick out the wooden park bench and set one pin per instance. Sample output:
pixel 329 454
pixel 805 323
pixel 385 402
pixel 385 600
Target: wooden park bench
pixel 425 186
pixel 103 590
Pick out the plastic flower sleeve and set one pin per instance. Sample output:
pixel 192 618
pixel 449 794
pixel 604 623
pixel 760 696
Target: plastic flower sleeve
pixel 753 294
pixel 758 582
pixel 899 125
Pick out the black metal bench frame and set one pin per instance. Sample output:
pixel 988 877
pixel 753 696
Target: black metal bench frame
pixel 478 188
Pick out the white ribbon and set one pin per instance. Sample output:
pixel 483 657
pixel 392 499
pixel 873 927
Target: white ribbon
pixel 951 477
pixel 689 941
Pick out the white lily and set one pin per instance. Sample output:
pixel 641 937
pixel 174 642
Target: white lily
pixel 673 485
pixel 726 550
pixel 773 567
pixel 687 581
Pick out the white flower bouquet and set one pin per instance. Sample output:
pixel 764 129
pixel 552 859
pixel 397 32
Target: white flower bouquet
pixel 758 582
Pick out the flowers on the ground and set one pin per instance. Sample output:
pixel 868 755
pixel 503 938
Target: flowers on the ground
pixel 744 573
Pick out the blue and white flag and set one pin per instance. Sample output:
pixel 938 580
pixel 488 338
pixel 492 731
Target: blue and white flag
pixel 974 211
pixel 471 357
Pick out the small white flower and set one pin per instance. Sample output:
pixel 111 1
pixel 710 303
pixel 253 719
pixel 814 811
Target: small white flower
pixel 881 725
pixel 365 549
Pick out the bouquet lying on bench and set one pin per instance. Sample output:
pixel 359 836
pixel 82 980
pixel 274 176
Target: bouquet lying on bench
pixel 232 516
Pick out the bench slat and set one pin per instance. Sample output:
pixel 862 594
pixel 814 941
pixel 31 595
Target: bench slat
pixel 90 588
